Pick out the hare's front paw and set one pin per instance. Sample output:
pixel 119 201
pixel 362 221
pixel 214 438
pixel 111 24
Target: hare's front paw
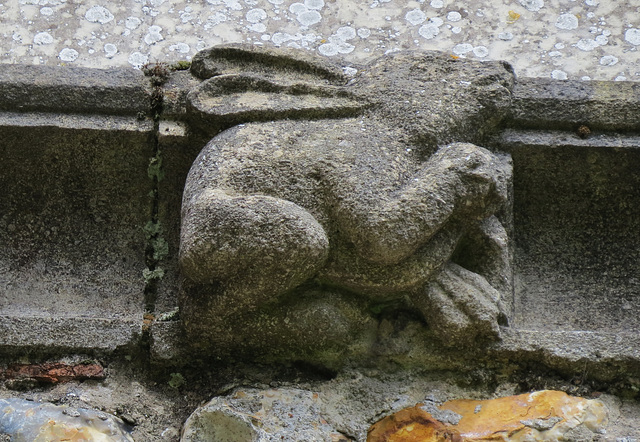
pixel 482 178
pixel 461 306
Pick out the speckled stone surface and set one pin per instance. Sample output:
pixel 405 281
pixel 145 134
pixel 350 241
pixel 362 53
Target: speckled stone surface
pixel 569 39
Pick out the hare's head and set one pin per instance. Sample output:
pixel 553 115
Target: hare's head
pixel 436 98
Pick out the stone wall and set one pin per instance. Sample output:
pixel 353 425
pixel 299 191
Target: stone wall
pixel 577 39
pixel 94 240
pixel 525 278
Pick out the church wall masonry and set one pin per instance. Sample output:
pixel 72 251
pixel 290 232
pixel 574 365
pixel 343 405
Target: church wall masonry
pixel 268 206
pixel 99 124
pixel 573 39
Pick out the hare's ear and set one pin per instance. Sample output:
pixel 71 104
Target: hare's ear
pixel 227 100
pixel 250 83
pixel 271 63
pixel 245 83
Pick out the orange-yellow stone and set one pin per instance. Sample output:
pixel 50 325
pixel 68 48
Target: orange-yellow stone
pixel 542 415
pixel 409 425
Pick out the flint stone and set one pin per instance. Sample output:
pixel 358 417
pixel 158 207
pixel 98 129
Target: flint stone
pixel 538 416
pixel 26 421
pixel 251 415
pixel 347 407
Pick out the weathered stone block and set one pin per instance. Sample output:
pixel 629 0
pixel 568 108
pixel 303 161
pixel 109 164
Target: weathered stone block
pixel 75 146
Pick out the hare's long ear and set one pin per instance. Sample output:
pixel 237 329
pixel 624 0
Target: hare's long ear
pixel 245 84
pixel 233 99
pixel 281 63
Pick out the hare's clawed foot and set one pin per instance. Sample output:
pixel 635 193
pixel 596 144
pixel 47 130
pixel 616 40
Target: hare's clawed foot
pixel 461 306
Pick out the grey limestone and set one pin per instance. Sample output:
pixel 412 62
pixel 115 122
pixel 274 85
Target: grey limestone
pixel 75 147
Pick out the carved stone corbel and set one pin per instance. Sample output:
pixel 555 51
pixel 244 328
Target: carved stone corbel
pixel 329 198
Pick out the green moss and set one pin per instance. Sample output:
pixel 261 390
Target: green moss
pixel 160 248
pixel 157 72
pixel 155 168
pixel 153 233
pixel 149 275
pixel 181 65
pixel 152 229
pixel 177 380
pixel 378 308
pixel 169 316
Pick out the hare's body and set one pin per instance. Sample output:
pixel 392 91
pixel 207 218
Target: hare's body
pixel 410 227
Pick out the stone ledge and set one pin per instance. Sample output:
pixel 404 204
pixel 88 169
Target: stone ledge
pixel 555 104
pixel 572 345
pixel 511 139
pixel 73 90
pixel 109 123
pixel 70 334
pixel 537 102
pixel 600 356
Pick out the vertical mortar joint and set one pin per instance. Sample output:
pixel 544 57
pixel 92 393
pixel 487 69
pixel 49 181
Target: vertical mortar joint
pixel 156 246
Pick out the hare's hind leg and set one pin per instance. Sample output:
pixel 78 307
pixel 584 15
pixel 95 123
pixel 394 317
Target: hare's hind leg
pixel 256 247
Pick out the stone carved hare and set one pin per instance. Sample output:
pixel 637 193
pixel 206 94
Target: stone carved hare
pixel 339 194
